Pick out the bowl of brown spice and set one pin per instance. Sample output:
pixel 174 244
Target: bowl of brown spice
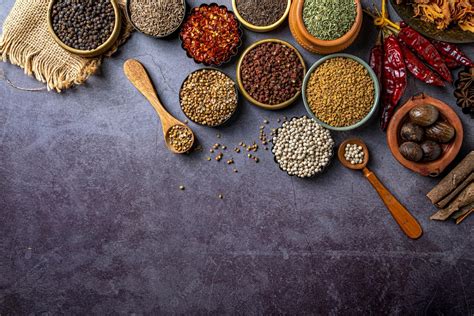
pixel 270 74
pixel 341 92
pixel 69 25
pixel 208 97
pixel 261 16
pixel 158 19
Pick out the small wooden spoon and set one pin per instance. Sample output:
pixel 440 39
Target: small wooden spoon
pixel 405 220
pixel 138 76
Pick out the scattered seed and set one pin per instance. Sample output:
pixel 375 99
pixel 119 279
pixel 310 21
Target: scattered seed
pixel 181 187
pixel 221 196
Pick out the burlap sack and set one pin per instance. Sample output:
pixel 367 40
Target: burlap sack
pixel 26 42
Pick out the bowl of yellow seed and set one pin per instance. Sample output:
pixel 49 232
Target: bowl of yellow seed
pixel 341 92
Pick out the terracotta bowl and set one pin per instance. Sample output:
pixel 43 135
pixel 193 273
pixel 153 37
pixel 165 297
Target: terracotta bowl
pixel 450 150
pixel 97 51
pixel 315 45
pixel 256 28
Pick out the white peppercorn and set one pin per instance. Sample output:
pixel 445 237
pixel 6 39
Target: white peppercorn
pixel 302 147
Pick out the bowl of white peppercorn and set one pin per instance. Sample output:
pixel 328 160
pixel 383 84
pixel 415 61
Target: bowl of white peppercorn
pixel 341 92
pixel 302 147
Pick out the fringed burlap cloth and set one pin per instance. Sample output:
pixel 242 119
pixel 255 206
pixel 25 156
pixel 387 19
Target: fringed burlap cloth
pixel 26 42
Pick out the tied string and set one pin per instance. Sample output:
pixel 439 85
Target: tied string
pixel 3 77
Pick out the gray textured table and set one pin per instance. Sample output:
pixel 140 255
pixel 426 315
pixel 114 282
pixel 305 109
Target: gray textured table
pixel 92 220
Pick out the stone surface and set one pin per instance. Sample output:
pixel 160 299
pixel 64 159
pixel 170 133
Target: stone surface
pixel 93 221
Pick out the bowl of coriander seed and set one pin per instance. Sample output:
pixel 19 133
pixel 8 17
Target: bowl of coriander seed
pixel 208 97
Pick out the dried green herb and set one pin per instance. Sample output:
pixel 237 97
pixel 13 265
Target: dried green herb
pixel 329 19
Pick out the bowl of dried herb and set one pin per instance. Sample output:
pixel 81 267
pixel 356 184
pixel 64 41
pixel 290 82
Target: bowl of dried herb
pixel 325 27
pixel 261 16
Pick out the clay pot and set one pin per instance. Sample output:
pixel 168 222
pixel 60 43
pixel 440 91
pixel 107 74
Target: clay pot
pixel 449 150
pixel 315 45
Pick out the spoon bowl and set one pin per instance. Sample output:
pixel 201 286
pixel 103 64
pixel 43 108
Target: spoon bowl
pixel 138 76
pixel 408 224
pixel 342 151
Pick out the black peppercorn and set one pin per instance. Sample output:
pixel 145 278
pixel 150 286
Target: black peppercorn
pixel 83 24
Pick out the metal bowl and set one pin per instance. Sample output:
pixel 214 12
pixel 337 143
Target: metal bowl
pixel 127 10
pixel 291 175
pixel 248 96
pixel 260 29
pixel 104 47
pixel 376 99
pixel 453 34
pixel 236 92
pixel 233 53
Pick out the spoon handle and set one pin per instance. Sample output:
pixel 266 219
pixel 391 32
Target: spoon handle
pixel 138 76
pixel 405 220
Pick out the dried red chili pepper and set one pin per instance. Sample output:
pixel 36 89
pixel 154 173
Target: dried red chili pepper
pixel 451 63
pixel 211 34
pixel 452 51
pixel 376 57
pixel 419 69
pixel 394 78
pixel 425 50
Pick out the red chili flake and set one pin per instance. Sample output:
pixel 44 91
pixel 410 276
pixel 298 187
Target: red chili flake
pixel 211 34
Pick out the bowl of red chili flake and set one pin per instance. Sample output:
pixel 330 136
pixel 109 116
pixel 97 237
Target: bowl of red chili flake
pixel 211 35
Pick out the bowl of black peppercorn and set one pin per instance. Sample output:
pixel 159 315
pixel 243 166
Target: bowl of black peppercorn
pixel 86 28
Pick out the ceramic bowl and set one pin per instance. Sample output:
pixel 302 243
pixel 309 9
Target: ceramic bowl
pixel 331 156
pixel 450 150
pixel 316 45
pixel 99 50
pixel 233 53
pixel 236 91
pixel 376 97
pixel 247 95
pixel 256 28
pixel 127 10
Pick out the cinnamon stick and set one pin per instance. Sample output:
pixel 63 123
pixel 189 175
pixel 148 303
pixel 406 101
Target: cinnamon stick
pixel 456 177
pixel 460 219
pixel 464 198
pixel 452 195
pixel 463 213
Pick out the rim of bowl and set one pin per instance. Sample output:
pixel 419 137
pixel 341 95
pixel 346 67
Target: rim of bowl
pixel 237 48
pixel 376 92
pixel 248 96
pixel 263 28
pixel 235 88
pixel 129 18
pixel 99 49
pixel 331 155
pixel 338 41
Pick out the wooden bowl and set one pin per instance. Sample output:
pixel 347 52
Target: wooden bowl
pixel 248 96
pixel 450 150
pixel 316 45
pixel 256 28
pixel 97 51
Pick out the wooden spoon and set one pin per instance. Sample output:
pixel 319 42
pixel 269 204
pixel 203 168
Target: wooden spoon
pixel 405 220
pixel 138 76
